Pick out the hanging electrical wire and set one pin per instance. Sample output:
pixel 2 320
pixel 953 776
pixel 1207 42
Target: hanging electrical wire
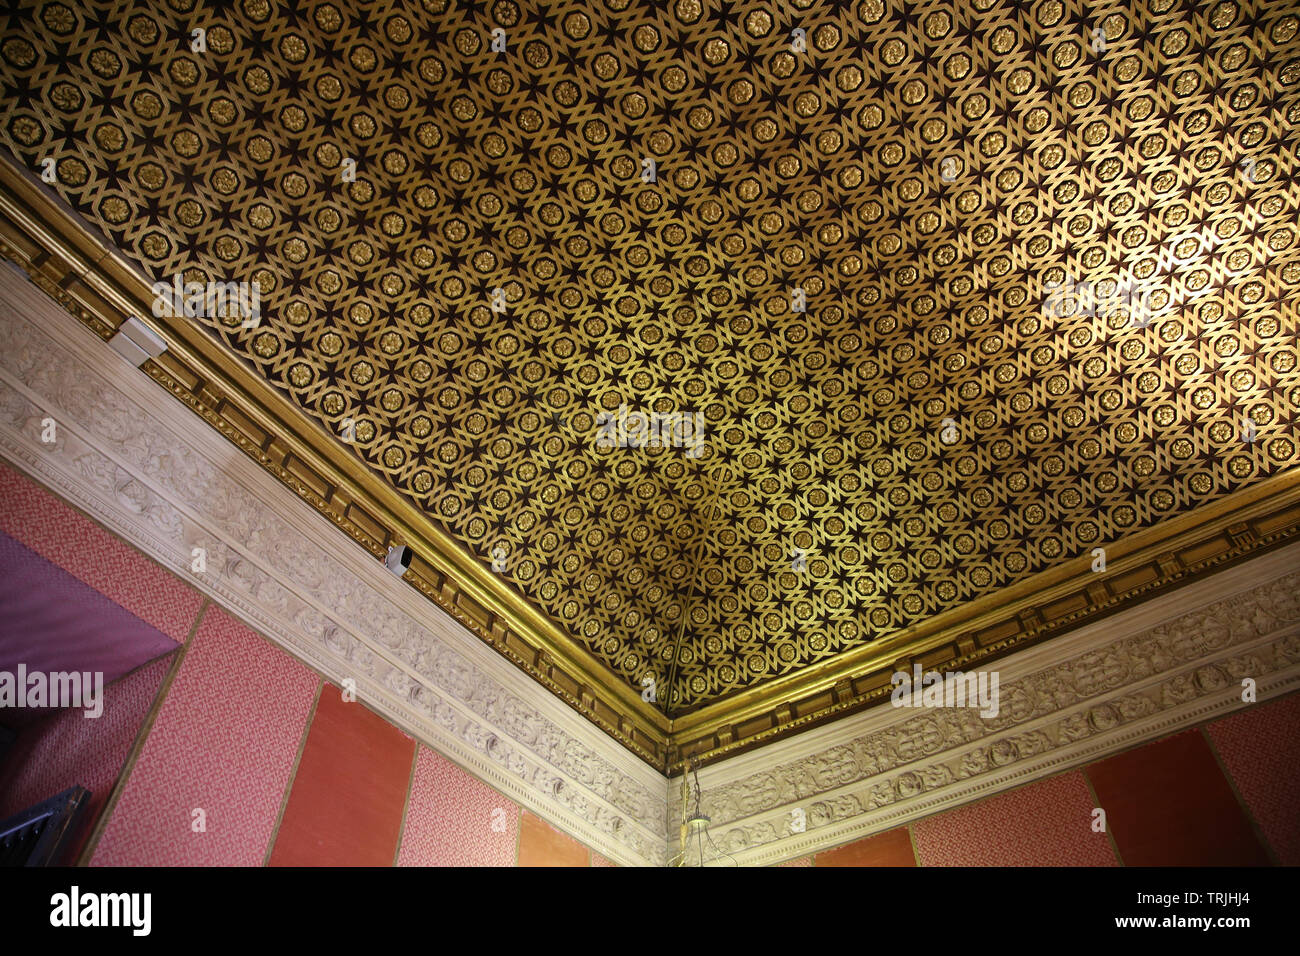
pixel 695 823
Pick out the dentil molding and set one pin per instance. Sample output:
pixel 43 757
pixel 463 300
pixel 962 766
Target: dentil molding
pixel 143 465
pixel 1173 662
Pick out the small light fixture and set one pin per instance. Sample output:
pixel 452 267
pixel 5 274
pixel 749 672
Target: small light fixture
pixel 697 846
pixel 398 559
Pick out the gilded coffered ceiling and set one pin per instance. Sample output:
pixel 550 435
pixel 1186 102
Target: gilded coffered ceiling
pixel 961 290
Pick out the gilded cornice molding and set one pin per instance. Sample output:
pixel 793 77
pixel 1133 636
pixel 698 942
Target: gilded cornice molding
pixel 78 268
pixel 130 457
pixel 1174 662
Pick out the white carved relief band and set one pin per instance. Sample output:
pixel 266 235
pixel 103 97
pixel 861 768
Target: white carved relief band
pixel 130 455
pixel 906 795
pixel 1106 695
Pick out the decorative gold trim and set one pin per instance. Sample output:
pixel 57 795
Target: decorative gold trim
pixel 141 736
pixel 77 268
pixel 293 772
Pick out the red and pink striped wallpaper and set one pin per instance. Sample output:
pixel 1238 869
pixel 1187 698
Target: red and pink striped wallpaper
pixel 287 772
pixel 67 749
pixel 349 791
pixel 1260 749
pixel 213 771
pixel 455 819
pixel 1236 772
pixel 1046 823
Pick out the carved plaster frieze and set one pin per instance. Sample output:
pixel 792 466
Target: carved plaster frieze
pixel 1103 689
pixel 130 456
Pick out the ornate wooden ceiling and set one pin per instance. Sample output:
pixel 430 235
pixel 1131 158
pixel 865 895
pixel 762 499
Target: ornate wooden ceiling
pixel 961 291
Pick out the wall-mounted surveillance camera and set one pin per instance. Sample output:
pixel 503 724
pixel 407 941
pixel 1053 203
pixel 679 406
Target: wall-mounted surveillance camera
pixel 398 560
pixel 136 342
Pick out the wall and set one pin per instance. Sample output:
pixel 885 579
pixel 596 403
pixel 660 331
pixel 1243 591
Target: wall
pixel 285 772
pixel 250 758
pixel 65 749
pixel 1222 794
pixel 97 604
pixel 254 760
pixel 130 456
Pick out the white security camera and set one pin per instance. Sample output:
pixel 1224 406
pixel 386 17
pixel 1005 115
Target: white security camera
pixel 398 559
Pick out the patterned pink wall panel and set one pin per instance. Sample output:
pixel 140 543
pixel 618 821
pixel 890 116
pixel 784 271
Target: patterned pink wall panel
pixel 1260 747
pixel 59 533
pixel 224 741
pixel 802 861
pixel 69 749
pixel 453 819
pixel 1047 823
pixel 51 621
pixel 598 860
